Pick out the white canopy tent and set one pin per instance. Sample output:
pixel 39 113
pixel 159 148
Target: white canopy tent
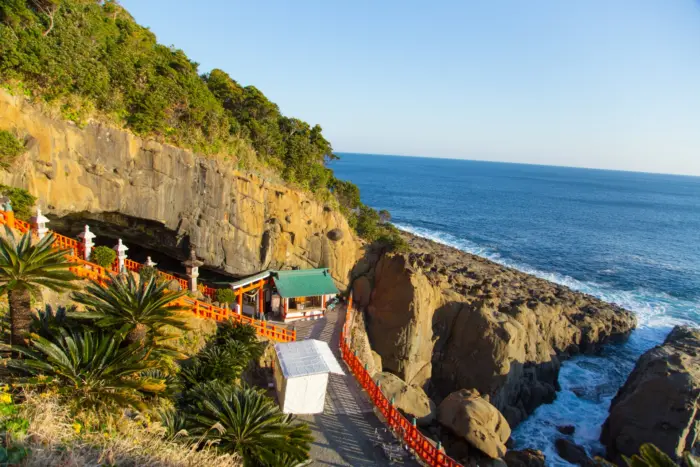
pixel 301 375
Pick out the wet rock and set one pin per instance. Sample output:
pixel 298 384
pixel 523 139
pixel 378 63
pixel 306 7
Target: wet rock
pixel 473 418
pixel 566 429
pixel 572 452
pixel 525 458
pixel 660 401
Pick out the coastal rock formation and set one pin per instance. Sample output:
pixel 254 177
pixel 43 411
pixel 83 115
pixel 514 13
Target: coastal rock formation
pixel 168 199
pixel 660 402
pixel 470 416
pixel 572 452
pixel 411 400
pixel 524 458
pixel 447 320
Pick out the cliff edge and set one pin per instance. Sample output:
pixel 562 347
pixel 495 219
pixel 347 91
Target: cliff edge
pixel 168 199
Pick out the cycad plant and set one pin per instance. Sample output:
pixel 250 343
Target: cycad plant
pixel 24 268
pixel 91 368
pixel 135 307
pixel 243 420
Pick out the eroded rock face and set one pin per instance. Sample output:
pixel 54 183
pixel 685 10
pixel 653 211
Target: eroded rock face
pixel 470 416
pixel 448 320
pixel 399 328
pixel 167 199
pixel 660 402
pixel 409 399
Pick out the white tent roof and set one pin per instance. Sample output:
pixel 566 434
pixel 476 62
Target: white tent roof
pixel 307 357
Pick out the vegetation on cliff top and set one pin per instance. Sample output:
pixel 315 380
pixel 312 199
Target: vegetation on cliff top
pixel 89 57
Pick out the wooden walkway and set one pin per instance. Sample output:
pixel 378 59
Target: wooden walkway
pixel 344 434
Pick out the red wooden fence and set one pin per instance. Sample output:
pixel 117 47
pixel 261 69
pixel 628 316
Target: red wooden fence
pixel 412 437
pixel 92 271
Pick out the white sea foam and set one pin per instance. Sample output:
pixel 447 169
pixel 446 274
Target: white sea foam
pixel 588 383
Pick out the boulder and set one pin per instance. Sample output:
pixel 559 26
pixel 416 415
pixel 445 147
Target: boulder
pixel 525 458
pixel 335 235
pixel 359 343
pixel 660 401
pixel 566 429
pixel 473 418
pixel 572 452
pixel 411 400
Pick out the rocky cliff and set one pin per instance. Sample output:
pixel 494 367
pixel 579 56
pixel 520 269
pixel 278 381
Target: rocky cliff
pixel 168 199
pixel 446 320
pixel 660 401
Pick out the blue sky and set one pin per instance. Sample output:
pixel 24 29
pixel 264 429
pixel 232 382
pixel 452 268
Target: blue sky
pixel 586 83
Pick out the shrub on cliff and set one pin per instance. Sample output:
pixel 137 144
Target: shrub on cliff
pixel 10 148
pixel 22 201
pixel 103 256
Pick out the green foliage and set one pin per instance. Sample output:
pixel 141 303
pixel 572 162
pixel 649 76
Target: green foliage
pixel 24 268
pixel 22 201
pixel 13 455
pixel 28 266
pixel 138 308
pixel 225 356
pixel 148 272
pixel 48 322
pixel 225 295
pixel 10 148
pixel 91 369
pixel 103 256
pixel 649 456
pixel 244 420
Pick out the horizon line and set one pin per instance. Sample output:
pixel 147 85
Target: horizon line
pixel 521 163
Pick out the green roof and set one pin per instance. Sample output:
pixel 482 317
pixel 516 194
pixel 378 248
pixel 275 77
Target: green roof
pixel 304 283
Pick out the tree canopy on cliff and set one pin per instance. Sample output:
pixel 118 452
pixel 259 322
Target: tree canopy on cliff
pixel 90 57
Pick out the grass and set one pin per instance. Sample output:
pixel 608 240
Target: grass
pixel 54 438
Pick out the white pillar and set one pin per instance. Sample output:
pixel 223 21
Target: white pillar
pixel 192 275
pixel 39 223
pixel 121 249
pixel 86 236
pixel 149 262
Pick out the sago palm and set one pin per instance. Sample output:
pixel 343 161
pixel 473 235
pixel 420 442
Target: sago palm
pixel 90 368
pixel 25 267
pixel 245 421
pixel 137 307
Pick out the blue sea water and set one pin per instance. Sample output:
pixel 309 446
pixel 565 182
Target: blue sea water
pixel 628 238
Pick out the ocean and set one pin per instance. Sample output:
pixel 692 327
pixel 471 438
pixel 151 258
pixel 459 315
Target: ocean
pixel 624 237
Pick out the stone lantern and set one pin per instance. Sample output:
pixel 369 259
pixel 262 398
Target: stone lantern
pixel 149 262
pixel 192 265
pixel 39 223
pixel 121 249
pixel 86 236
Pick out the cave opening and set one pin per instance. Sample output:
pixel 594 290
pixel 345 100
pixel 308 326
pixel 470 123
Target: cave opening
pixel 143 237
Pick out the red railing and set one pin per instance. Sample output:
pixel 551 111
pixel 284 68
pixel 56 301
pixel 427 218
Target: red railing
pixel 412 437
pixel 208 291
pixel 88 270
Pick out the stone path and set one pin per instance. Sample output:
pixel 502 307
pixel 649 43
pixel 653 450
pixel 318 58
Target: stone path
pixel 344 433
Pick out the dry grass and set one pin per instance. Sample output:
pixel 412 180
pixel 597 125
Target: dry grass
pixel 53 440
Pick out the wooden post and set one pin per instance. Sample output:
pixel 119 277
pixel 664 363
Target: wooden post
pixel 261 300
pixel 323 302
pixel 285 308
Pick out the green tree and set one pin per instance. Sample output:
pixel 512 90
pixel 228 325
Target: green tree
pixel 245 421
pixel 91 369
pixel 138 308
pixel 225 295
pixel 103 256
pixel 24 268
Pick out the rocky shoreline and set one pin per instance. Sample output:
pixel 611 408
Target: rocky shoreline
pixel 444 321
